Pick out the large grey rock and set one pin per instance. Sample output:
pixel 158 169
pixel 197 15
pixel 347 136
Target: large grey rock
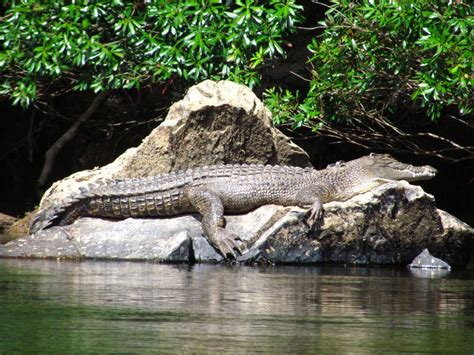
pixel 161 239
pixel 388 225
pixel 216 122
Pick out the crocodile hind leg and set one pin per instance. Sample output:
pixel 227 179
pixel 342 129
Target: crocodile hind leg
pixel 209 205
pixel 315 215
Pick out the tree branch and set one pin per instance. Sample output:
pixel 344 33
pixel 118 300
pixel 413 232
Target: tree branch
pixel 398 140
pixel 53 151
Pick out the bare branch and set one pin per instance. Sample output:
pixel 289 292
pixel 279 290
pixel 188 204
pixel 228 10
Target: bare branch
pixel 53 151
pixel 399 141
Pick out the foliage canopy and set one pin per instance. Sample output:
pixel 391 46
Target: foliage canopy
pixel 49 47
pixel 375 57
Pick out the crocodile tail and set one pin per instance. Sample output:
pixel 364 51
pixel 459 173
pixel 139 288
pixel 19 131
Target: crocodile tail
pixel 56 216
pixel 45 218
pixel 61 214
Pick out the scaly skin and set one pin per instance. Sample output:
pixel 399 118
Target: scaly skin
pixel 211 190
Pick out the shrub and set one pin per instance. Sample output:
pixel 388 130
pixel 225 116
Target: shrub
pixel 375 58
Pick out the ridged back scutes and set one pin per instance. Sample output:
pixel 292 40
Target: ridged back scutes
pixel 179 179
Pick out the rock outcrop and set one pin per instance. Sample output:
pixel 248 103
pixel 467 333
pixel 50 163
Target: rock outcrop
pixel 6 222
pixel 226 123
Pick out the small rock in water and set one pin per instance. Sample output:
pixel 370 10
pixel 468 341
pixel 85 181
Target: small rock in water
pixel 427 261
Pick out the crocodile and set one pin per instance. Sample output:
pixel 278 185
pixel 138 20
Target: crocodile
pixel 213 190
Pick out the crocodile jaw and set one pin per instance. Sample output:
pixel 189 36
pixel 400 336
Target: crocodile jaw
pixel 417 173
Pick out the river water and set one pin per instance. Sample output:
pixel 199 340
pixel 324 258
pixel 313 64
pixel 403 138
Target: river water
pixel 126 307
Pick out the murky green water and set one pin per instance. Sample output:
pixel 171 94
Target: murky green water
pixel 121 307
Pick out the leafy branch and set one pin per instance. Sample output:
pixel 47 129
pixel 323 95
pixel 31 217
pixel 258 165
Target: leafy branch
pixel 384 71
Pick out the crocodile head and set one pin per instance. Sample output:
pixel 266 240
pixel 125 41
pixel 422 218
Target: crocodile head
pixel 383 166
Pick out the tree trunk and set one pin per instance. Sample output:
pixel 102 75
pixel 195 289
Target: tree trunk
pixel 53 151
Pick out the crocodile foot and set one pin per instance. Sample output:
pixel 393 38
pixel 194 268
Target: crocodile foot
pixel 228 244
pixel 315 218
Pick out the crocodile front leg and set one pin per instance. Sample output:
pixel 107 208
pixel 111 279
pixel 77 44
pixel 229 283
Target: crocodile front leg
pixel 209 205
pixel 315 215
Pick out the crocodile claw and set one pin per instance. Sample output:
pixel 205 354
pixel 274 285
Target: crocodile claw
pixel 227 244
pixel 315 218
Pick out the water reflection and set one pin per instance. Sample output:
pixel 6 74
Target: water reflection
pixel 430 273
pixel 129 306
